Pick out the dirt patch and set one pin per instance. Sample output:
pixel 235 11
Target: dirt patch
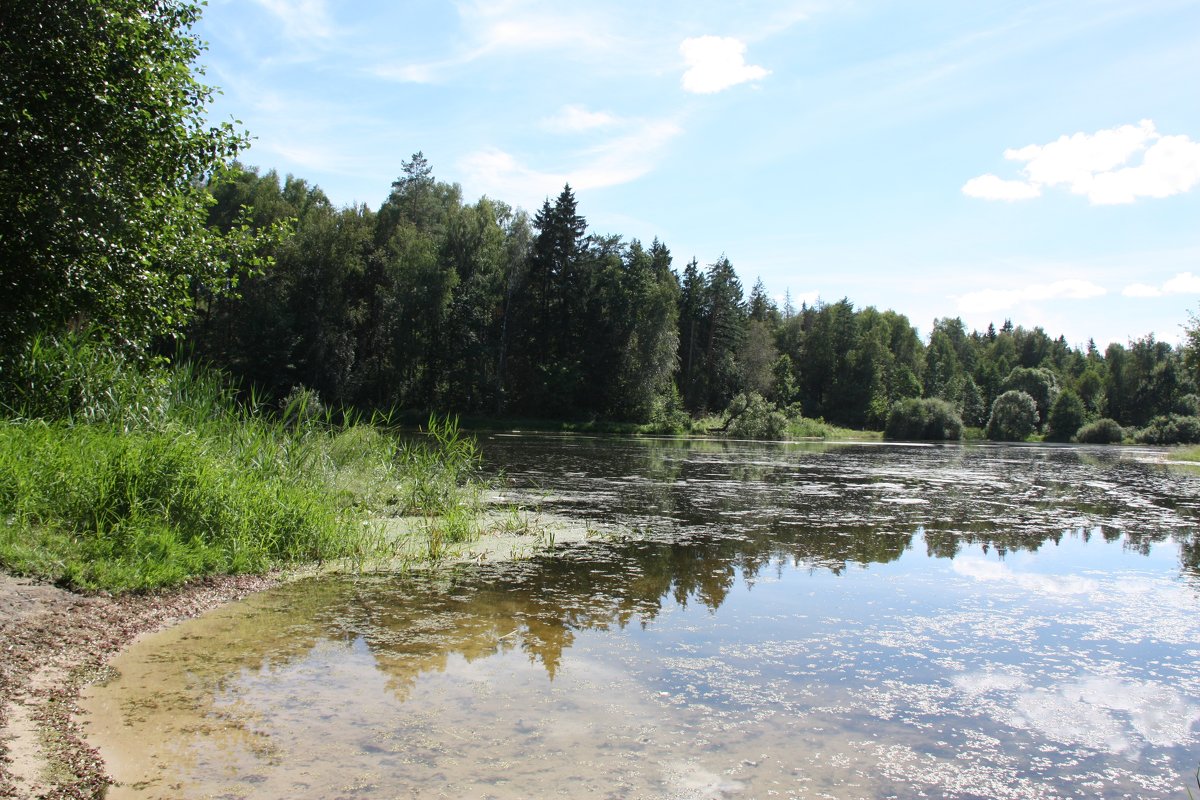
pixel 52 642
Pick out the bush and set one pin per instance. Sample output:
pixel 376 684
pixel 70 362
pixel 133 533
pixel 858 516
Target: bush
pixel 1102 431
pixel 1188 406
pixel 1067 416
pixel 751 416
pixel 1170 429
pixel 923 419
pixel 1014 417
pixel 1037 382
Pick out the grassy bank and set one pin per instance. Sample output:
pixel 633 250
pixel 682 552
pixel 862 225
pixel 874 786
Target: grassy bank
pixel 707 426
pixel 119 476
pixel 1191 453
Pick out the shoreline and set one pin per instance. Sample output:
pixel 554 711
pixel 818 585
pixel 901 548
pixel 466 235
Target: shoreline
pixel 53 643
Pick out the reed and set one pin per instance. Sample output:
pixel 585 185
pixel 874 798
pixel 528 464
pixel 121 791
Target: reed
pixel 127 476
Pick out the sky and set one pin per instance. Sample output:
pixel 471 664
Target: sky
pixel 1035 162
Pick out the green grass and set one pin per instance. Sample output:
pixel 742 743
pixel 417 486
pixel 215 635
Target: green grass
pixel 806 428
pixel 126 477
pixel 1190 453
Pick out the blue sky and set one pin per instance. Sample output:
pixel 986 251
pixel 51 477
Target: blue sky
pixel 1038 162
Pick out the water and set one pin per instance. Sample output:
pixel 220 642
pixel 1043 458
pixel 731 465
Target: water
pixel 794 621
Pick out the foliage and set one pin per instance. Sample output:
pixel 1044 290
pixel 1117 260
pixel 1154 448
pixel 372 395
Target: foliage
pixel 1145 380
pixel 136 509
pixel 474 308
pixel 1170 429
pixel 163 477
pixel 923 419
pixel 1185 454
pixel 1014 417
pixel 1039 383
pixel 750 416
pixel 106 149
pixel 1067 416
pixel 1102 431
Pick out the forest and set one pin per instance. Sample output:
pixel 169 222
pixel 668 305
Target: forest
pixel 126 215
pixel 434 303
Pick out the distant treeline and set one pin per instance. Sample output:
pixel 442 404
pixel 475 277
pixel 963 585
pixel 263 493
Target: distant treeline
pixel 434 303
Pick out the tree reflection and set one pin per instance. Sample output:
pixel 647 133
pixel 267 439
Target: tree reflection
pixel 698 518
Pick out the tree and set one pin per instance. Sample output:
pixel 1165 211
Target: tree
pixel 106 151
pixel 724 331
pixel 1191 347
pixel 693 291
pixel 1037 382
pixel 1014 417
pixel 971 403
pixel 1067 416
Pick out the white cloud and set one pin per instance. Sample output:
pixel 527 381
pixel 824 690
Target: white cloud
pixel 497 173
pixel 990 300
pixel 715 63
pixel 992 571
pixel 806 298
pixel 1141 290
pixel 302 19
pixel 507 27
pixel 1183 283
pixel 1103 166
pixel 991 187
pixel 577 119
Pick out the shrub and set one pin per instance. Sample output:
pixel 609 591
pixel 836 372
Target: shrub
pixel 1014 417
pixel 1188 405
pixel 923 418
pixel 1170 429
pixel 751 416
pixel 1067 416
pixel 1037 382
pixel 1102 431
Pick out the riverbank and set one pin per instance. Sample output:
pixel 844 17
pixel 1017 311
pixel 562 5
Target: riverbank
pixel 55 642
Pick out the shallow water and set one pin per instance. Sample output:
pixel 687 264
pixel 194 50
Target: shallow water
pixel 759 620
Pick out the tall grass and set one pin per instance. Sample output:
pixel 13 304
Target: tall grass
pixel 121 476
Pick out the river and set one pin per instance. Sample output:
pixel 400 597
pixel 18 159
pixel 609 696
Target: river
pixel 748 620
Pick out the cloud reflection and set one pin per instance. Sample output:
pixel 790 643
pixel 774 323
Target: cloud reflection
pixel 992 571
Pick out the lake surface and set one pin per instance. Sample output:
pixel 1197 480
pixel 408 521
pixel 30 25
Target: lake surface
pixel 793 621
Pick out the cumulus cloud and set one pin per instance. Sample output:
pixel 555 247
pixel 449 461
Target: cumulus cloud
pixel 1110 167
pixel 577 119
pixel 990 300
pixel 1183 283
pixel 992 187
pixel 1141 290
pixel 715 63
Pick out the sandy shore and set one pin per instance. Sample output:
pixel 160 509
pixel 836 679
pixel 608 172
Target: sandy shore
pixel 54 642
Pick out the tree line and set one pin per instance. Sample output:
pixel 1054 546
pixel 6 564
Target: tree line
pixel 431 302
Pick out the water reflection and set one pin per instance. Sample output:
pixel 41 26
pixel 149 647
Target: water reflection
pixel 804 621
